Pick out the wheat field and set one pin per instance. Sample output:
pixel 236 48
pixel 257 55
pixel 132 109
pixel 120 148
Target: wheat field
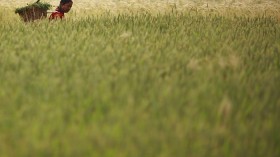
pixel 136 78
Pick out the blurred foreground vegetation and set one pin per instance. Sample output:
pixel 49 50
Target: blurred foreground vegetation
pixel 136 84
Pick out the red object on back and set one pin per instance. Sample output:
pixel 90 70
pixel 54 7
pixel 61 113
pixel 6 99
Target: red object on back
pixel 56 15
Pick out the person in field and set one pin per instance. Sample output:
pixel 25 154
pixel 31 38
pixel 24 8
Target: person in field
pixel 64 7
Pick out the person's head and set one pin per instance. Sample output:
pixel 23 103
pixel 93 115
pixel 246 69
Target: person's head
pixel 65 5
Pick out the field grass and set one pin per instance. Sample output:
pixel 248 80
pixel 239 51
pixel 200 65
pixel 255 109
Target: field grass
pixel 140 84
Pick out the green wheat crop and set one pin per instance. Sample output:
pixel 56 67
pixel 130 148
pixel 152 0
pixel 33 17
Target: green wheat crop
pixel 182 82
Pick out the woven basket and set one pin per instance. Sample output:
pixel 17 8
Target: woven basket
pixel 32 14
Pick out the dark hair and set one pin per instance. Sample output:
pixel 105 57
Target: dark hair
pixel 65 1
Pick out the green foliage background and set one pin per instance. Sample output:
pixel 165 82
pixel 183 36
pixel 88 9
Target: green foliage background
pixel 140 84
